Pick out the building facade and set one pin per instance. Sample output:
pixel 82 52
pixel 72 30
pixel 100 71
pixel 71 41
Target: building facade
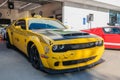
pixel 84 14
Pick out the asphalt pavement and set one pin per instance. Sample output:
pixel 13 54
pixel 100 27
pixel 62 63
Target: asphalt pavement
pixel 15 66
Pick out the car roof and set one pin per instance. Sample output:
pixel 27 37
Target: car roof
pixel 37 17
pixel 106 27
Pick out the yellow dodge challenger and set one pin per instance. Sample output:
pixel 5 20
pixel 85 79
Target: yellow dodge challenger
pixel 53 48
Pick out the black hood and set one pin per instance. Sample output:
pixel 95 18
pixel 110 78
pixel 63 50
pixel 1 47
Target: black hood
pixel 63 34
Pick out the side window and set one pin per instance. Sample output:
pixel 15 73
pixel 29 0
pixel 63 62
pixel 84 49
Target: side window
pixel 112 30
pixel 116 30
pixel 21 23
pixel 17 23
pixel 107 30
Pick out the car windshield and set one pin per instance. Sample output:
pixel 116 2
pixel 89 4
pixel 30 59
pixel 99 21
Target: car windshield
pixel 113 30
pixel 45 24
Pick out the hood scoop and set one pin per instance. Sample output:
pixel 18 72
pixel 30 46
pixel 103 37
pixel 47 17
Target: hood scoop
pixel 63 35
pixel 76 34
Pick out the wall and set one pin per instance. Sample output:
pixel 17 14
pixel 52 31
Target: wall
pixel 23 14
pixel 14 14
pixel 48 9
pixel 73 15
pixel 111 2
pixel 11 14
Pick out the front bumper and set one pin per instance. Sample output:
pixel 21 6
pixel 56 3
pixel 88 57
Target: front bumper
pixel 52 71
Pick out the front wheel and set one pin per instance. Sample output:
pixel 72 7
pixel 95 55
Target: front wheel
pixel 34 58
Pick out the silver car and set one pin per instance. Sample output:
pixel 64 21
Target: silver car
pixel 3 33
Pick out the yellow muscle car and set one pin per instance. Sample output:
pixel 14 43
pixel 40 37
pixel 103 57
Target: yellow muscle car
pixel 52 47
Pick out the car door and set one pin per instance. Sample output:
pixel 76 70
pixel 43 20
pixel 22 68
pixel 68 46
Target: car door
pixel 111 35
pixel 20 35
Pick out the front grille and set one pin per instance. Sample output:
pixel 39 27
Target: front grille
pixel 72 62
pixel 76 46
pixel 75 34
pixel 81 46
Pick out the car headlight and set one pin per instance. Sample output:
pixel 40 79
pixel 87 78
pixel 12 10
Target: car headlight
pixel 99 43
pixel 61 47
pixel 57 48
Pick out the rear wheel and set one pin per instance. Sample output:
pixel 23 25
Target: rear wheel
pixel 34 57
pixel 8 44
pixel 4 38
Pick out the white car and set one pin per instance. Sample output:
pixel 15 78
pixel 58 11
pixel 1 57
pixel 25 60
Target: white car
pixel 0 30
pixel 3 33
pixel 1 27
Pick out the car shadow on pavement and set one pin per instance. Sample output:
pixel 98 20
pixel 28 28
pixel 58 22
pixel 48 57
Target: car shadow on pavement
pixel 89 74
pixel 20 52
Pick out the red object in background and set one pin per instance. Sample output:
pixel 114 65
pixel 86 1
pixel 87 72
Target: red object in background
pixel 111 36
pixel 1 40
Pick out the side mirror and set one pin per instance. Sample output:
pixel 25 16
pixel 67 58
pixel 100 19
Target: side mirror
pixel 18 27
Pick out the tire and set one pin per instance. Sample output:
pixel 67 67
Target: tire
pixel 34 58
pixel 4 37
pixel 8 44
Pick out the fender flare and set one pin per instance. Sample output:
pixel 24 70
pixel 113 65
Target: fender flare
pixel 35 40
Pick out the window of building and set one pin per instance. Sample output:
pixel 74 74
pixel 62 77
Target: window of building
pixel 114 18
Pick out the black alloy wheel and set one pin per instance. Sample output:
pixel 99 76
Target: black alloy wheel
pixel 34 58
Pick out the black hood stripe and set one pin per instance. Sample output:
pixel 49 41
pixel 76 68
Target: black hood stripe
pixel 63 35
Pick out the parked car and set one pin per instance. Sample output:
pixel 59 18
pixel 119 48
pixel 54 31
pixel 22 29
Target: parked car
pixel 111 36
pixel 3 24
pixel 51 47
pixel 1 27
pixel 3 33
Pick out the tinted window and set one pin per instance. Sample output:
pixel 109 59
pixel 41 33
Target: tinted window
pixel 45 24
pixel 21 23
pixel 113 30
